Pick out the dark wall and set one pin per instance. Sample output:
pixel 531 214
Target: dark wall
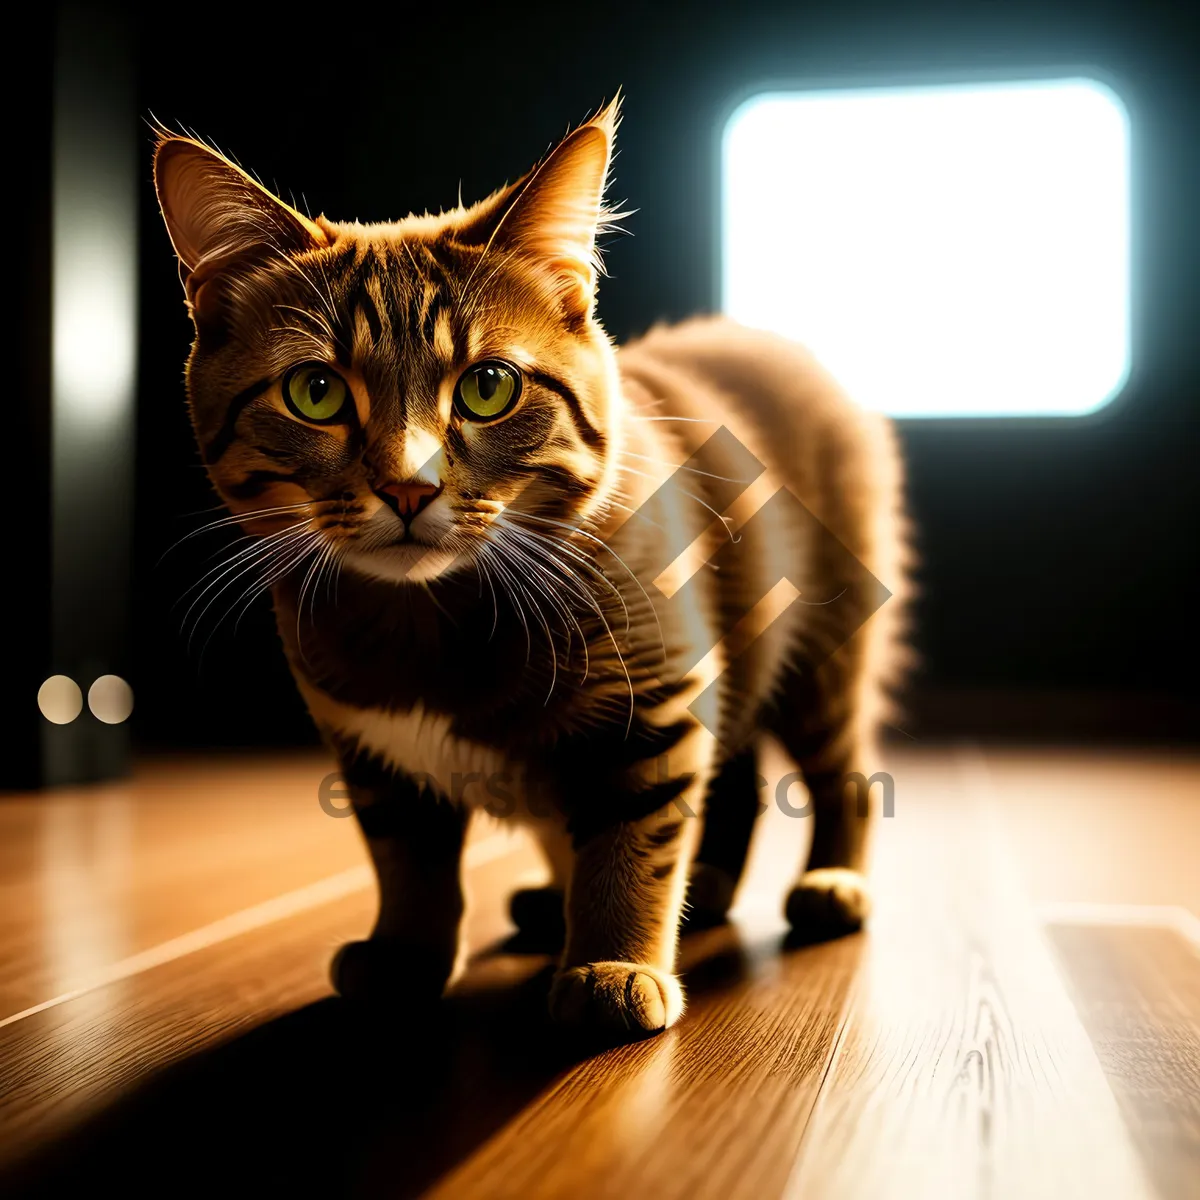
pixel 1056 555
pixel 23 607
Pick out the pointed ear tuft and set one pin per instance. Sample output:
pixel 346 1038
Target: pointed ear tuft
pixel 218 217
pixel 555 212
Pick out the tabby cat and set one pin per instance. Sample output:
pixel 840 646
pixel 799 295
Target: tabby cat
pixel 574 585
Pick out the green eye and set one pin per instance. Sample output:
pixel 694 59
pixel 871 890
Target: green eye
pixel 315 393
pixel 487 390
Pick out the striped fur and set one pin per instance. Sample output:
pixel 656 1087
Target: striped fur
pixel 658 555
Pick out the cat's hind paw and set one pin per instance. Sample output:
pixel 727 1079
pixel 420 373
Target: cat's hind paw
pixel 827 903
pixel 391 970
pixel 624 998
pixel 538 915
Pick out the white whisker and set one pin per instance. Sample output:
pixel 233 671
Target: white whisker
pixel 683 467
pixel 261 547
pixel 269 554
pixel 616 645
pixel 726 523
pixel 608 549
pixel 691 420
pixel 542 578
pixel 505 578
pixel 237 518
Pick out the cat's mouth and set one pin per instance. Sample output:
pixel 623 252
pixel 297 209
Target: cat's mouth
pixel 405 560
pixel 406 542
pixel 408 538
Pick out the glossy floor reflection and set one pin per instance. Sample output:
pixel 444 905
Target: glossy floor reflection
pixel 167 1023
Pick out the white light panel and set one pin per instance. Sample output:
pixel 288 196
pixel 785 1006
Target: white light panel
pixel 945 251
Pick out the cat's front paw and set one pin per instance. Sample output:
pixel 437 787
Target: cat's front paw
pixel 616 997
pixel 392 970
pixel 827 903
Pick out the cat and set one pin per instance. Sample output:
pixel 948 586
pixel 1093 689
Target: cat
pixel 581 579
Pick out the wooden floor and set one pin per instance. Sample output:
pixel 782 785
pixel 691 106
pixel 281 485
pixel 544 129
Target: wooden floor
pixel 1021 1020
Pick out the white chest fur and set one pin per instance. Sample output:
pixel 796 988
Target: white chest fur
pixel 421 744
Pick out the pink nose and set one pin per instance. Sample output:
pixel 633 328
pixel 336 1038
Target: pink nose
pixel 408 499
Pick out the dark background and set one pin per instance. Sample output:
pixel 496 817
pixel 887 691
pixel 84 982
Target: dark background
pixel 1057 556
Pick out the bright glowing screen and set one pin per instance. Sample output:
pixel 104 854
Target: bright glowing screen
pixel 945 251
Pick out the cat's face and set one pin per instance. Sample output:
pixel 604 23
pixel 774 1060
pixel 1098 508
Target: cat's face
pixel 400 394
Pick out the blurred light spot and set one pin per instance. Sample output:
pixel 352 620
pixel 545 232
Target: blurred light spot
pixel 93 333
pixel 60 699
pixel 945 251
pixel 111 699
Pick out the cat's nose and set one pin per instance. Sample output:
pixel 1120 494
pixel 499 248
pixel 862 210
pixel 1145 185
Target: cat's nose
pixel 406 500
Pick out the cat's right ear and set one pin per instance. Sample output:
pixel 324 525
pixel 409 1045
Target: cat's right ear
pixel 220 219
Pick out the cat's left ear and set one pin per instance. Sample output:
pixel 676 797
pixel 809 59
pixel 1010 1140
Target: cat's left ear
pixel 554 213
pixel 221 221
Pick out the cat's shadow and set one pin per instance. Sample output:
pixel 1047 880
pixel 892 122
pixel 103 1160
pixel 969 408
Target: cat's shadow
pixel 333 1099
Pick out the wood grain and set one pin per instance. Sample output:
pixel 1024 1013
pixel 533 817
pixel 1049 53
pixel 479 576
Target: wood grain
pixel 1138 993
pixel 713 1108
pixel 939 1055
pixel 963 1070
pixel 59 1064
pixel 89 876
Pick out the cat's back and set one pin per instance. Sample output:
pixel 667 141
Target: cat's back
pixel 839 459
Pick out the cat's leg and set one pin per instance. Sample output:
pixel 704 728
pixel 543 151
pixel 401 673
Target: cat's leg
pixel 824 725
pixel 415 839
pixel 624 905
pixel 730 810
